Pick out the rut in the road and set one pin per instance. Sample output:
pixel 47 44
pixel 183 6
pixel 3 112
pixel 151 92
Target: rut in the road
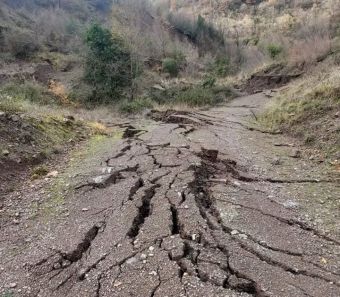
pixel 163 231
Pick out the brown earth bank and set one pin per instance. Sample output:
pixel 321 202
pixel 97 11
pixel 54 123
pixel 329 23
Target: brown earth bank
pixel 193 204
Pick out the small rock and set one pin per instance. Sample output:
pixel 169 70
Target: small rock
pixel 12 285
pixel 52 174
pixel 268 93
pixel 243 236
pixel 15 118
pixel 176 254
pixel 234 232
pixel 131 261
pixel 57 265
pixel 117 284
pixel 153 273
pixel 276 161
pixel 158 87
pixel 296 154
pixel 151 248
pixel 143 256
pixel 66 263
pixel 84 209
pixel 2 114
pixel 5 152
pixel 290 204
pixel 69 117
pixel 17 222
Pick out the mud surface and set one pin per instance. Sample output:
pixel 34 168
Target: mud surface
pixel 192 206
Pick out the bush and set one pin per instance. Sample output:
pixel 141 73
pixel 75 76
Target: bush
pixel 274 50
pixel 221 66
pixel 135 106
pixel 171 66
pixel 108 65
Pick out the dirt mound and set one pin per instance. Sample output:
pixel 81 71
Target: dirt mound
pixel 41 72
pixel 27 141
pixel 273 77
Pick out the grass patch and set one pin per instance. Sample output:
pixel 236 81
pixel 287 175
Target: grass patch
pixel 81 163
pixel 15 97
pixel 198 96
pixel 192 96
pixel 289 110
pixel 307 110
pixel 135 106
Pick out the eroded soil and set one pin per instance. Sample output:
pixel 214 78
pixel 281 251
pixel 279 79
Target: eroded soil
pixel 196 204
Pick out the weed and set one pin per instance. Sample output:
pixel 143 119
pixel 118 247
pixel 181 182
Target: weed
pixel 274 50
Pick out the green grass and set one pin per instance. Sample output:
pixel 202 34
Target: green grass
pixel 198 96
pixel 288 110
pixel 307 110
pixel 16 97
pixel 193 96
pixel 135 106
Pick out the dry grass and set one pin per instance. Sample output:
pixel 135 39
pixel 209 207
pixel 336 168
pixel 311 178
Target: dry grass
pixel 309 50
pixel 308 108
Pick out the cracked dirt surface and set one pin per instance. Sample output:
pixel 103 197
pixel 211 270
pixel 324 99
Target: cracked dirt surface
pixel 165 214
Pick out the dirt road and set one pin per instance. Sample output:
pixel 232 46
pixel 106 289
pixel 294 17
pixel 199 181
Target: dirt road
pixel 199 204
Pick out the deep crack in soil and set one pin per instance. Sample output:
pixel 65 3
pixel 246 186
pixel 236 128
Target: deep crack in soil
pixel 174 216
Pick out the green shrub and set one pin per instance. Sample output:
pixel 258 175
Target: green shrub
pixel 135 106
pixel 171 66
pixel 108 65
pixel 221 66
pixel 274 50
